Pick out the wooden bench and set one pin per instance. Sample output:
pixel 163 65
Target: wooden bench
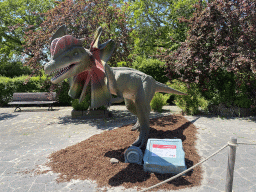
pixel 41 98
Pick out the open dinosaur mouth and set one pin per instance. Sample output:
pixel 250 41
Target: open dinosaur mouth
pixel 62 71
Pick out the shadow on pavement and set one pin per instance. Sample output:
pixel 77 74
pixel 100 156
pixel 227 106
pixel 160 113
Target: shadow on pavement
pixel 34 110
pixel 119 118
pixel 4 116
pixel 211 116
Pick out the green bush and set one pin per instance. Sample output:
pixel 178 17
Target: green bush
pixel 159 100
pixel 223 89
pixel 13 69
pixel 190 103
pixel 84 105
pixel 62 93
pixel 152 67
pixel 6 90
pixel 8 86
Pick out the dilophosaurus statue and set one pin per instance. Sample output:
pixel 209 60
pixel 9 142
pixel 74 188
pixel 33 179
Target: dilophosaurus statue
pixel 69 59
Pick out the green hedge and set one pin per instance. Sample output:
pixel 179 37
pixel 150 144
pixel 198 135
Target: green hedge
pixel 152 67
pixel 62 93
pixel 190 103
pixel 35 84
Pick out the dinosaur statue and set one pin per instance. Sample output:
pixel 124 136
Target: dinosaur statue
pixel 83 66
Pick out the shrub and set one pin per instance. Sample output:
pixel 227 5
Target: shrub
pixel 83 106
pixel 159 100
pixel 62 94
pixel 193 101
pixel 152 67
pixel 6 90
pixel 13 69
pixel 35 84
pixel 219 53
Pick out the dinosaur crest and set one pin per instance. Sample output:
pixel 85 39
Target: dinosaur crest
pixel 60 45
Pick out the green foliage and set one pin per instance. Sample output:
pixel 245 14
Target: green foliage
pixel 14 14
pixel 156 23
pixel 121 64
pixel 222 89
pixel 13 69
pixel 83 106
pixel 8 86
pixel 62 93
pixel 219 53
pixel 6 90
pixel 159 100
pixel 191 103
pixel 152 67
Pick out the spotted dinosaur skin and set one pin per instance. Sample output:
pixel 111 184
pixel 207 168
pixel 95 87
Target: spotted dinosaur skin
pixel 83 66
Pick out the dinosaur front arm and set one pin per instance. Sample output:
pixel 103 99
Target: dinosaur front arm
pixel 113 85
pixel 117 100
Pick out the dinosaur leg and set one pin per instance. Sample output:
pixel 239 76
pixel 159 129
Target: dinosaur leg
pixel 142 110
pixel 142 103
pixel 136 126
pixel 130 105
pixel 143 117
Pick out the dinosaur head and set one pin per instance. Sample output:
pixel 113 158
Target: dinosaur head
pixel 82 66
pixel 68 58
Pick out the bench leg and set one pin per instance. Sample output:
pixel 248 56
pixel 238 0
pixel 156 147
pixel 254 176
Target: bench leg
pixel 50 108
pixel 17 108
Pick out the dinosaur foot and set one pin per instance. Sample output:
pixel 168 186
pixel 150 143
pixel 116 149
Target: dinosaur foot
pixel 136 143
pixel 135 127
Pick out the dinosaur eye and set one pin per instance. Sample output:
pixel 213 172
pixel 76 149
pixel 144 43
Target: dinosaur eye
pixel 75 54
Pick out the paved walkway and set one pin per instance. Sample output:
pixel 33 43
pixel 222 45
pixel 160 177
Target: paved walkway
pixel 28 137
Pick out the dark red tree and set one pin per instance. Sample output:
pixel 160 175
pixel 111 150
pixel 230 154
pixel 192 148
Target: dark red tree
pixel 219 54
pixel 82 19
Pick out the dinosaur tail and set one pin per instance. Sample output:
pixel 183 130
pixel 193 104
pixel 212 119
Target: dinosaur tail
pixel 160 87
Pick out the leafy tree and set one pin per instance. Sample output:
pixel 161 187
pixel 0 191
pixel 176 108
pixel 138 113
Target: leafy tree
pixel 156 27
pixel 156 23
pixel 219 53
pixel 17 13
pixel 13 68
pixel 82 19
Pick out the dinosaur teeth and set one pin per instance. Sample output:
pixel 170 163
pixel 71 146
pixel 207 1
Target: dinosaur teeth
pixel 61 71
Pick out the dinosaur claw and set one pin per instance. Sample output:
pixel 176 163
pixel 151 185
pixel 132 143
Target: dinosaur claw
pixel 136 126
pixel 137 142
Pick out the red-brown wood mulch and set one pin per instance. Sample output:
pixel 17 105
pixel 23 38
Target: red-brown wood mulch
pixel 90 159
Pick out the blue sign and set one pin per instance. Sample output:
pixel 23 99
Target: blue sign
pixel 164 156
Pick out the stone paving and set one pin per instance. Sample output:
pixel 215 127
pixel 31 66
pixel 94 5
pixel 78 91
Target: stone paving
pixel 29 136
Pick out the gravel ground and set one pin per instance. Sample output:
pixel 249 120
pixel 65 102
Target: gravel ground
pixel 29 136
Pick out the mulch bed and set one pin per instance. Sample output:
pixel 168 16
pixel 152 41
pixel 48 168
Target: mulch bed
pixel 90 159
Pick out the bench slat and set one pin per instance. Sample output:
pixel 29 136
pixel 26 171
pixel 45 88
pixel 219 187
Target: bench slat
pixel 43 96
pixel 31 102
